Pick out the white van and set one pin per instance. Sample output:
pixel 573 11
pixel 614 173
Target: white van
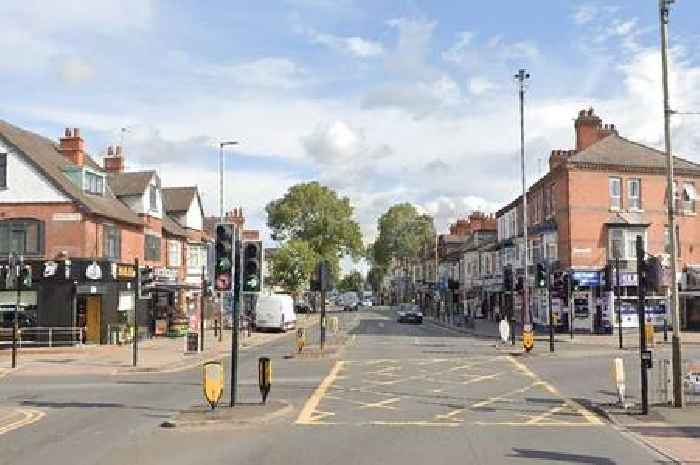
pixel 275 312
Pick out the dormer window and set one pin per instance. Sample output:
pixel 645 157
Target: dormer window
pixel 94 183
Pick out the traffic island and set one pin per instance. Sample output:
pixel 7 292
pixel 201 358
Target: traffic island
pixel 244 414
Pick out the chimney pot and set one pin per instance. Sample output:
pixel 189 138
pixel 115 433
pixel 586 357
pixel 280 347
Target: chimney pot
pixel 67 132
pixel 118 150
pixel 110 152
pixel 76 132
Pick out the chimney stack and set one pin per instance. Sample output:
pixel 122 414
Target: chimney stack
pixel 589 129
pixel 114 161
pixel 72 146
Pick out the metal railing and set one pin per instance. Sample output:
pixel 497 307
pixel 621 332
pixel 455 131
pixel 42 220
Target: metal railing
pixel 43 336
pixel 661 384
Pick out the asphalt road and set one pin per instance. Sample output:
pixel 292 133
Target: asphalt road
pixel 397 394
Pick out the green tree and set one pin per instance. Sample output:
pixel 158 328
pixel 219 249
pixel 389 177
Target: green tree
pixel 351 282
pixel 402 232
pixel 292 265
pixel 315 214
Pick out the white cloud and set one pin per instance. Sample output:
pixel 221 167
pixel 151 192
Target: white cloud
pixel 75 70
pixel 269 72
pixel 479 85
pixel 334 142
pixel 354 46
pixel 584 13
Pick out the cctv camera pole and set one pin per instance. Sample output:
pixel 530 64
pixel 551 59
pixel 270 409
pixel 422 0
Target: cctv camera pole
pixel 135 350
pixel 664 9
pixel 521 77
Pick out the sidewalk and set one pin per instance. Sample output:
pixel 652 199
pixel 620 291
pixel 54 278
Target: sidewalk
pixel 154 355
pixel 630 338
pixel 672 432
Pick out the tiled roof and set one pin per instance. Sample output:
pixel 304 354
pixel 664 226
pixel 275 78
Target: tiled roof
pixel 171 227
pixel 44 155
pixel 178 199
pixel 132 183
pixel 616 150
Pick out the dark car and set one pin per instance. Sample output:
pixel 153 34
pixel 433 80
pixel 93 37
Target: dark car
pixel 409 313
pixel 302 308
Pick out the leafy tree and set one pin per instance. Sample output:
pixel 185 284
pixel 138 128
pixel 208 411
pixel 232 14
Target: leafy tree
pixel 292 265
pixel 351 282
pixel 314 213
pixel 402 233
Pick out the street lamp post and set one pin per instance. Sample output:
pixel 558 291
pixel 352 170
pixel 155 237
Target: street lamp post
pixel 664 10
pixel 521 77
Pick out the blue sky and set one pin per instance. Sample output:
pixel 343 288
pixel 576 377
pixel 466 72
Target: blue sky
pixel 386 101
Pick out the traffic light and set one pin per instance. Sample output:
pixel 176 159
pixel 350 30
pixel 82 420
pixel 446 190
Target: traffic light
pixel 541 276
pixel 223 251
pixel 320 279
pixel 252 266
pixel 146 282
pixel 508 279
pixel 565 283
pixel 608 278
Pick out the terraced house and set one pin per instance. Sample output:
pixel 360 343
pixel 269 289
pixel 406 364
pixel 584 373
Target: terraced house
pixel 80 226
pixel 586 212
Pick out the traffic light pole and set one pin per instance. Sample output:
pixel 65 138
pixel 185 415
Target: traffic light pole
pixel 641 315
pixel 571 306
pixel 201 312
pixel 135 350
pixel 551 313
pixel 15 324
pixel 618 304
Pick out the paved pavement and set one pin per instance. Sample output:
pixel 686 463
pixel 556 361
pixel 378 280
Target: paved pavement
pixel 399 394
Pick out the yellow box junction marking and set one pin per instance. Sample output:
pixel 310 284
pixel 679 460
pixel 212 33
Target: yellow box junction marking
pixel 26 417
pixel 306 415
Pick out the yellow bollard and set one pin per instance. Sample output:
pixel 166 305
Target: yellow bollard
pixel 213 382
pixel 301 339
pixel 264 377
pixel 528 340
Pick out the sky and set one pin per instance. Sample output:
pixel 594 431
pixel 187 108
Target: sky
pixel 385 101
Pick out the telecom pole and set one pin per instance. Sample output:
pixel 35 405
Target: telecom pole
pixel 521 77
pixel 664 9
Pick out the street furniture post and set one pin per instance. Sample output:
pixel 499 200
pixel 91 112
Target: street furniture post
pixel 301 339
pixel 202 300
pixel 551 314
pixel 135 349
pixel 618 304
pixel 264 377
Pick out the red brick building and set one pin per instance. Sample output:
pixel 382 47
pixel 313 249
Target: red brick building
pixel 589 208
pixel 81 226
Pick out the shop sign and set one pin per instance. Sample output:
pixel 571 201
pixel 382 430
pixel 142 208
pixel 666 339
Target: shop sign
pixel 165 274
pixel 587 278
pixel 93 271
pixel 50 269
pixel 90 289
pixel 126 271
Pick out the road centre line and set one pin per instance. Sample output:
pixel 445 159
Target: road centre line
pixel 305 416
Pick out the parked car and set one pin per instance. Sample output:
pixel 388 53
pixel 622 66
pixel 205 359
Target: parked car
pixel 302 307
pixel 275 312
pixel 409 313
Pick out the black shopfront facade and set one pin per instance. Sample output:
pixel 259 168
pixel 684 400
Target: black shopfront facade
pixel 95 295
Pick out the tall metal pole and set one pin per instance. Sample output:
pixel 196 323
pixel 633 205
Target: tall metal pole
pixel 571 306
pixel 618 304
pixel 664 9
pixel 437 307
pixel 237 301
pixel 521 77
